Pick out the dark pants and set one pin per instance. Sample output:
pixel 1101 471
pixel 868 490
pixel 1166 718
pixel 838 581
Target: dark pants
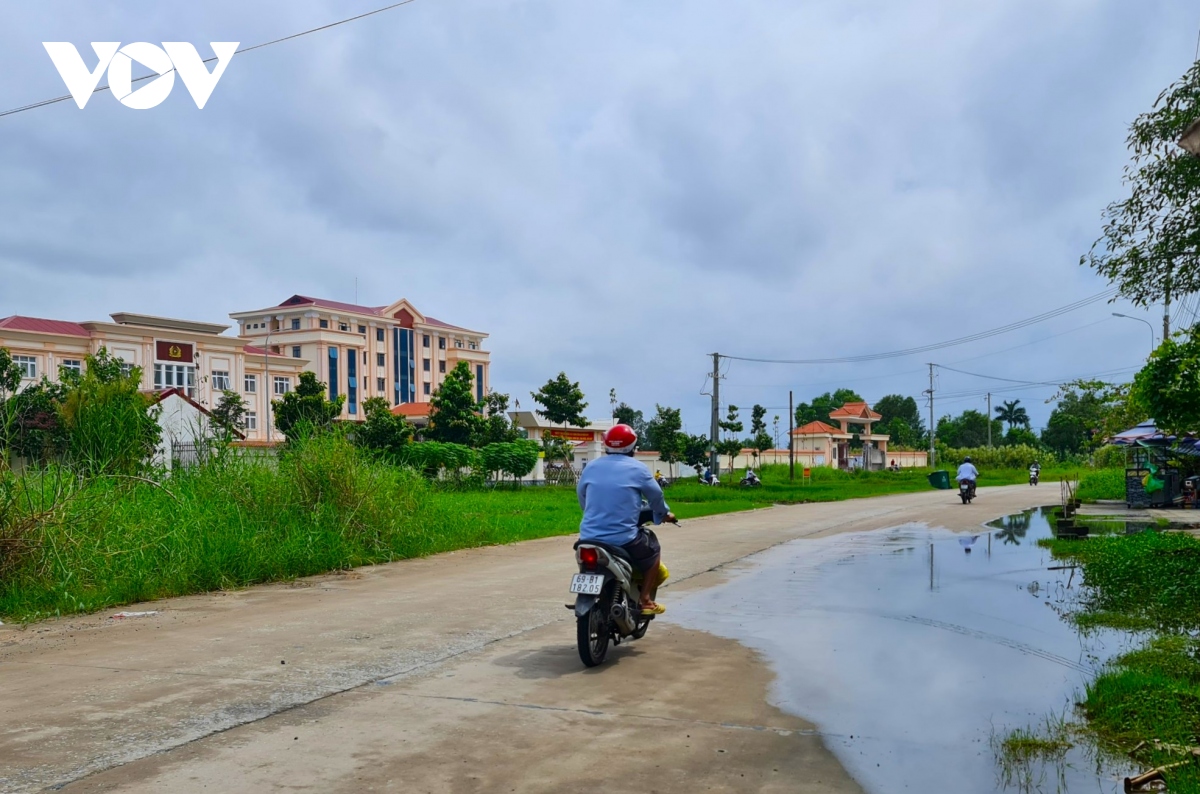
pixel 644 550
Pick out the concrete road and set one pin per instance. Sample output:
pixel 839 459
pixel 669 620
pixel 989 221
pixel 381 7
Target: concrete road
pixel 455 673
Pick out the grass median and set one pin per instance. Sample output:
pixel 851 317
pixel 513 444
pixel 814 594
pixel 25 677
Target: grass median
pixel 70 544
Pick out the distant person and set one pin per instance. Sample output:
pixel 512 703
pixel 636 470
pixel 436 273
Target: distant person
pixel 968 473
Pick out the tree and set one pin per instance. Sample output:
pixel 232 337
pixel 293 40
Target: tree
pixel 663 432
pixel 732 425
pixel 562 401
pixel 514 458
pixel 1021 436
pixel 901 434
pixel 495 426
pixel 1088 412
pixel 895 406
pixel 732 447
pixel 1013 414
pixel 108 426
pixel 306 407
pixel 453 411
pixel 821 407
pixel 968 429
pixel 383 432
pixel 627 415
pixel 1150 247
pixel 229 417
pixel 1168 387
pixel 694 449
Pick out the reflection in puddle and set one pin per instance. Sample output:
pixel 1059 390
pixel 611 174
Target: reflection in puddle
pixel 912 648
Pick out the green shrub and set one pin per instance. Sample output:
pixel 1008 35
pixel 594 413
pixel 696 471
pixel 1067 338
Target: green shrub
pixel 1018 456
pixel 1102 484
pixel 515 458
pixel 1109 456
pixel 432 458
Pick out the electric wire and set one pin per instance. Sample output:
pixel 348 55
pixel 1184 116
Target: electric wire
pixel 937 345
pixel 105 87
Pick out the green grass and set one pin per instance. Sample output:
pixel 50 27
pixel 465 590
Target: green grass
pixel 1145 704
pixel 1102 484
pixel 70 544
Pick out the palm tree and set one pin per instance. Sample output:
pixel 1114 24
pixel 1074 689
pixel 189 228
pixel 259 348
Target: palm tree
pixel 1013 414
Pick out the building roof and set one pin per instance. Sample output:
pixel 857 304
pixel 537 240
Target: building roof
pixel 168 323
pixel 304 300
pixel 411 410
pixel 817 428
pixel 858 410
pixel 252 350
pixel 40 326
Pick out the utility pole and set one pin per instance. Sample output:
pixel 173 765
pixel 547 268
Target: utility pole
pixel 714 460
pixel 989 420
pixel 932 453
pixel 791 439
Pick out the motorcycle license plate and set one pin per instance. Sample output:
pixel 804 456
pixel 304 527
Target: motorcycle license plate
pixel 587 583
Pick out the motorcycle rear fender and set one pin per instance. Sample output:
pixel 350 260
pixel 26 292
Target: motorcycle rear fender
pixel 584 604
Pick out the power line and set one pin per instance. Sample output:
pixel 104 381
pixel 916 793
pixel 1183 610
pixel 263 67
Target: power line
pixel 251 48
pixel 938 345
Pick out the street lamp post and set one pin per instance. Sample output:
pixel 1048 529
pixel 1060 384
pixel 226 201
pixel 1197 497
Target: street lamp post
pixel 1140 320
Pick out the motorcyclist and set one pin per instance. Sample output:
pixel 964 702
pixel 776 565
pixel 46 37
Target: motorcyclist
pixel 1035 469
pixel 610 492
pixel 968 472
pixel 751 478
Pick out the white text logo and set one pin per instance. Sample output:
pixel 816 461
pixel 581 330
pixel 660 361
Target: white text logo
pixel 173 57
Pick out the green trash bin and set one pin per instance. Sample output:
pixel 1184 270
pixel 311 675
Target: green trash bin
pixel 940 479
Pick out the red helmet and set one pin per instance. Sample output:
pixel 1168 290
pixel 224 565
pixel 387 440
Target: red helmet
pixel 620 438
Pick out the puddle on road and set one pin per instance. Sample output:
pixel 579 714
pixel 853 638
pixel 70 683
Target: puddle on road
pixel 911 648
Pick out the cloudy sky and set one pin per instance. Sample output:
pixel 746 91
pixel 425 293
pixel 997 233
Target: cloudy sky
pixel 613 189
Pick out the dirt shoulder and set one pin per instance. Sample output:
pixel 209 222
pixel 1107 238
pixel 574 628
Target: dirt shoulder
pixel 451 673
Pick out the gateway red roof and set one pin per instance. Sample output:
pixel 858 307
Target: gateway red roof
pixel 411 410
pixel 40 326
pixel 816 429
pixel 855 411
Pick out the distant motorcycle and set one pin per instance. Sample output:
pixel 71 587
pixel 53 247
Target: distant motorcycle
pixel 751 481
pixel 966 490
pixel 1034 474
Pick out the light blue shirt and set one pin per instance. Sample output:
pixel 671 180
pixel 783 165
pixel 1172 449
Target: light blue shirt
pixel 610 492
pixel 967 471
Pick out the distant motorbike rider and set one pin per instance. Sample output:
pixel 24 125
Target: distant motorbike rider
pixel 751 478
pixel 968 472
pixel 610 493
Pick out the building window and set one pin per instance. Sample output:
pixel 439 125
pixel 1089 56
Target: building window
pixel 295 323
pixel 473 346
pixel 333 373
pixel 250 384
pixel 364 358
pixel 343 327
pixel 458 343
pixel 425 340
pixel 295 351
pixel 479 382
pixel 220 380
pixel 442 367
pixel 126 369
pixel 380 384
pixel 324 323
pixel 441 343
pixel 28 365
pixel 425 365
pixel 379 360
pixel 251 420
pixel 379 335
pixel 362 329
pixel 72 365
pixel 175 376
pixel 426 388
pixel 352 381
pixel 403 365
pixel 282 385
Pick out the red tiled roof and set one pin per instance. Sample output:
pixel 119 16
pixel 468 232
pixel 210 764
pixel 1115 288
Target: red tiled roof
pixel 251 350
pixel 858 410
pixel 304 300
pixel 441 324
pixel 411 410
pixel 816 428
pixel 37 325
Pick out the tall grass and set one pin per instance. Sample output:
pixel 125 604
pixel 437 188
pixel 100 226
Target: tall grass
pixel 232 522
pixel 1102 484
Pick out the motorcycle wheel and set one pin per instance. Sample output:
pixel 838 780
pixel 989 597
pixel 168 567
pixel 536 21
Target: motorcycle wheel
pixel 591 631
pixel 965 498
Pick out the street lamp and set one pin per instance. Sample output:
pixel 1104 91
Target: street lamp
pixel 1140 320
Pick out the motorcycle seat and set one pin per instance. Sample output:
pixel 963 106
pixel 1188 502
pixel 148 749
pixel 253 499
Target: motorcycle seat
pixel 615 551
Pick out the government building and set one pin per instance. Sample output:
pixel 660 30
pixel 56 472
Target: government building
pixel 392 351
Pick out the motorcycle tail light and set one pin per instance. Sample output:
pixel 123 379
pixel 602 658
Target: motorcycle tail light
pixel 589 558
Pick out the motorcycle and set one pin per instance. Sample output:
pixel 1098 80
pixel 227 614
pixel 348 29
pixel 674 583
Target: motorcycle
pixel 1034 475
pixel 966 490
pixel 750 482
pixel 607 598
